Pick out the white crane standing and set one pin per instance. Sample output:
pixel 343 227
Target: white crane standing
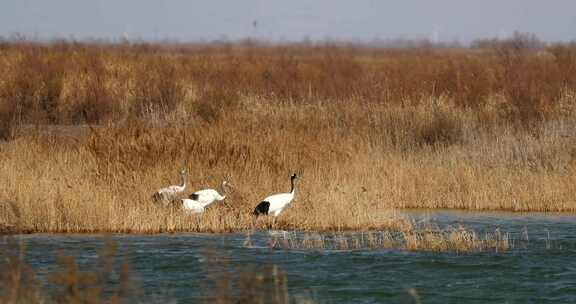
pixel 167 194
pixel 199 200
pixel 274 204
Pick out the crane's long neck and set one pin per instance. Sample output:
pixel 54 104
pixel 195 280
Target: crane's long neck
pixel 183 182
pixel 293 184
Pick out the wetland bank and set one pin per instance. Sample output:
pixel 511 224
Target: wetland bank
pixel 90 131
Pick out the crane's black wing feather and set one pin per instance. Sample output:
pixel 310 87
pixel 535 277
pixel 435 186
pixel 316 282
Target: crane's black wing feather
pixel 262 208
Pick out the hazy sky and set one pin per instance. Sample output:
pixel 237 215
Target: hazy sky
pixel 281 20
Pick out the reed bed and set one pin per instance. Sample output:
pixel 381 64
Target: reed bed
pixel 90 131
pixel 450 239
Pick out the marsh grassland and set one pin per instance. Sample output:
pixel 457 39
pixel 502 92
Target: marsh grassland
pixel 90 131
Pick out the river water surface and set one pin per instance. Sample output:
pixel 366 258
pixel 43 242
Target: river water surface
pixel 540 268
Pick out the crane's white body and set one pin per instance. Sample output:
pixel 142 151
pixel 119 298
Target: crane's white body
pixel 170 192
pixel 167 194
pixel 199 200
pixel 205 198
pixel 278 202
pixel 275 204
pixel 192 206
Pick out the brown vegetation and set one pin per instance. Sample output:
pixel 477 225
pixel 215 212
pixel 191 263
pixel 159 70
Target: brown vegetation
pixel 111 282
pixel 268 284
pixel 103 284
pixel 90 131
pixel 450 239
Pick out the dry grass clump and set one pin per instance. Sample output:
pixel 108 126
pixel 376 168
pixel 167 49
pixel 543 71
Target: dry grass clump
pixel 112 282
pixel 459 240
pixel 91 131
pixel 103 284
pixel 17 280
pixel 268 284
pixel 456 240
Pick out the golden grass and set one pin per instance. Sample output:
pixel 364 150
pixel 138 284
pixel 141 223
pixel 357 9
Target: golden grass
pixel 91 131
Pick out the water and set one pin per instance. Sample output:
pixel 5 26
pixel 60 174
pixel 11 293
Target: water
pixel 541 268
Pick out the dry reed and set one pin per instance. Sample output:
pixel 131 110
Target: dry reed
pixel 458 240
pixel 90 131
pixel 268 284
pixel 103 284
pixel 112 282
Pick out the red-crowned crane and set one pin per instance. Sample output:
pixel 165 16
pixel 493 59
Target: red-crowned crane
pixel 167 194
pixel 274 204
pixel 199 200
